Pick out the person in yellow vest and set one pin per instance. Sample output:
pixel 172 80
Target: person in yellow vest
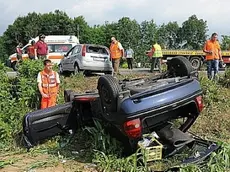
pixel 48 85
pixel 116 53
pixel 156 57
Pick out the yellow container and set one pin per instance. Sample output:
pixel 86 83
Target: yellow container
pixel 153 151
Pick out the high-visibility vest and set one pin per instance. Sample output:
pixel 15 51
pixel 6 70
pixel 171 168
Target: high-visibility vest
pixel 158 51
pixel 49 83
pixel 214 47
pixel 115 52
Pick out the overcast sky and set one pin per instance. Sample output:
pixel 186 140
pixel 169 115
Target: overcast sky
pixel 215 12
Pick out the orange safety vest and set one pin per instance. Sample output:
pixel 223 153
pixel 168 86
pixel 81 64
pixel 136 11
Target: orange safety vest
pixel 115 52
pixel 49 83
pixel 214 47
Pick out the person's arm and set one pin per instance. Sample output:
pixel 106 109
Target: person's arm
pixel 205 49
pixel 219 52
pixel 122 49
pixel 39 80
pixel 35 51
pixel 58 81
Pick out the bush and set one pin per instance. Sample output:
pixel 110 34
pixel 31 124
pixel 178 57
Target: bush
pixel 18 96
pixel 225 80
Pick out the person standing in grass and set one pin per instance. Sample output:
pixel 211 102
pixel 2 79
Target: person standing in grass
pixel 213 55
pixel 129 54
pixel 156 57
pixel 48 85
pixel 116 52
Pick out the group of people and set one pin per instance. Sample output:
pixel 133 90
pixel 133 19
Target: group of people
pixel 48 80
pixel 118 53
pixel 36 50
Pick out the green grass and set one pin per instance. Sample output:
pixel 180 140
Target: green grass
pixel 92 146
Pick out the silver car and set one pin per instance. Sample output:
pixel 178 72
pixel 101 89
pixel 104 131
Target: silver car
pixel 88 58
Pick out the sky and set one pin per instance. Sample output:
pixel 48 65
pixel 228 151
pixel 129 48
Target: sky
pixel 215 12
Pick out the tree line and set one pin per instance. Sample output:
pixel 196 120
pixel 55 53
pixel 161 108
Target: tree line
pixel 140 36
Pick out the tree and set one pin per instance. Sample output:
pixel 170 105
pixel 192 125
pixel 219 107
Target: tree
pixel 57 23
pixel 225 45
pixel 167 35
pixel 81 29
pixel 129 32
pixel 193 33
pixel 3 54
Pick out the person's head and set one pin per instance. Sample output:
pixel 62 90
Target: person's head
pixel 214 37
pixel 32 42
pixel 113 39
pixel 20 44
pixel 42 37
pixel 48 65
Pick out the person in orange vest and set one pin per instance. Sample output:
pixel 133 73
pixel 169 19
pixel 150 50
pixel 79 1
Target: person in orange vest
pixel 213 55
pixel 116 52
pixel 48 85
pixel 31 50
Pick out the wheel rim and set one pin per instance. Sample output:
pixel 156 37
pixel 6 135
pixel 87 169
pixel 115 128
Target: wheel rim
pixel 105 95
pixel 195 63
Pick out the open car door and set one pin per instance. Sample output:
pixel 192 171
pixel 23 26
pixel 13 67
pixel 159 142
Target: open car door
pixel 45 123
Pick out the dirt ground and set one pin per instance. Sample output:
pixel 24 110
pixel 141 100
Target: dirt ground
pixel 42 163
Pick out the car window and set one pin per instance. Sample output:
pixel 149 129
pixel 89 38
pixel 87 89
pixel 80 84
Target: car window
pixel 77 49
pixel 50 48
pixel 70 52
pixel 62 47
pixel 96 50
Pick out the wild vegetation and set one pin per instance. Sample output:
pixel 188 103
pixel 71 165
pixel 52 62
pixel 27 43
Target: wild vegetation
pixel 92 149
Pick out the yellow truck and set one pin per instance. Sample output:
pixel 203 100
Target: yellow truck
pixel 196 57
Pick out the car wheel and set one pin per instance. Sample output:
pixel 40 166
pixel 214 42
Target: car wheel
pixel 108 89
pixel 76 69
pixel 67 95
pixel 179 66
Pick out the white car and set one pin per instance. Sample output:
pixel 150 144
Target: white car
pixel 87 58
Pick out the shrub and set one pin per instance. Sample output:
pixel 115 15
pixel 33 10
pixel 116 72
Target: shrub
pixel 18 96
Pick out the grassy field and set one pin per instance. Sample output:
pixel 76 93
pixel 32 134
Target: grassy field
pixel 82 153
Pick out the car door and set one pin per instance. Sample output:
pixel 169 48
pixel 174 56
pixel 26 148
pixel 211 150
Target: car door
pixel 45 123
pixel 66 63
pixel 75 56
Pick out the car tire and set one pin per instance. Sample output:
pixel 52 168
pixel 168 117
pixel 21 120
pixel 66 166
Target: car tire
pixel 179 66
pixel 76 69
pixel 108 89
pixel 68 95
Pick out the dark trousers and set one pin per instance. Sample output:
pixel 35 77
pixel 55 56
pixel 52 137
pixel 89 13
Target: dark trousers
pixel 155 62
pixel 130 63
pixel 212 64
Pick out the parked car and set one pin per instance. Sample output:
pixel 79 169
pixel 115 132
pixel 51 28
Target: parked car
pixel 87 58
pixel 167 104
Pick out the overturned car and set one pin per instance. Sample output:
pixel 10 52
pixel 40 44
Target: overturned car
pixel 167 104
